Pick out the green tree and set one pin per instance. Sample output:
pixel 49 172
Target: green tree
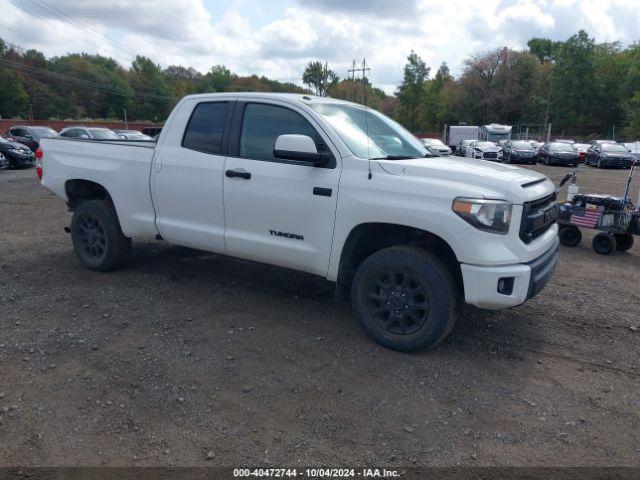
pixel 319 77
pixel 574 81
pixel 544 49
pixel 436 108
pixel 14 99
pixel 153 96
pixel 412 91
pixel 218 79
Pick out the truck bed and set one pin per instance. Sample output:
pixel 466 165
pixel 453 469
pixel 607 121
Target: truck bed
pixel 123 167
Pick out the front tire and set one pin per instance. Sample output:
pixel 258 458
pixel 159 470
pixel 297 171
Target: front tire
pixel 405 298
pixel 97 238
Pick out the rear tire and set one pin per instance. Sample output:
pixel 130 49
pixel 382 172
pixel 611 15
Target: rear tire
pixel 569 235
pixel 97 238
pixel 604 243
pixel 405 298
pixel 624 241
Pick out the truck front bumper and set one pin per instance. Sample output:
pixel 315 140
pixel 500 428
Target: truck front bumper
pixel 505 286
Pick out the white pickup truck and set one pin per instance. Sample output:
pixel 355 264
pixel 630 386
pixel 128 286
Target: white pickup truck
pixel 321 186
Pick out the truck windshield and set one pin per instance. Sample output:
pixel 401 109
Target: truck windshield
pixel 370 134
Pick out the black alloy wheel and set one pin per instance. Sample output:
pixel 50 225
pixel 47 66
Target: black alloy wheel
pixel 92 236
pixel 398 302
pixel 97 237
pixel 405 298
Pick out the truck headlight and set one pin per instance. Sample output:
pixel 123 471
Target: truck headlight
pixel 488 215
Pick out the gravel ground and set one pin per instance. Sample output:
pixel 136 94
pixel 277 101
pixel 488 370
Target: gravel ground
pixel 187 358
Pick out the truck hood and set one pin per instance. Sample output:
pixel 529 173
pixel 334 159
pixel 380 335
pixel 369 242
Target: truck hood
pixel 489 179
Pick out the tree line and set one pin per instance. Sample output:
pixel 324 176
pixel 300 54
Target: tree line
pixel 80 85
pixel 585 89
pixel 582 87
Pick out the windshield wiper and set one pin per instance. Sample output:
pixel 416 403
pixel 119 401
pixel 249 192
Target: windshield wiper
pixel 395 157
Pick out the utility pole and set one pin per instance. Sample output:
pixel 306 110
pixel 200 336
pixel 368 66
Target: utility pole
pixel 126 124
pixel 353 80
pixel 364 69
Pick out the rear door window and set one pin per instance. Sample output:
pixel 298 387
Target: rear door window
pixel 206 127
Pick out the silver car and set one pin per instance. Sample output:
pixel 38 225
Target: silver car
pixel 436 147
pixel 86 133
pixel 483 150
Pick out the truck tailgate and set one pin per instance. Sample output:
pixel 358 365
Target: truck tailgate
pixel 121 167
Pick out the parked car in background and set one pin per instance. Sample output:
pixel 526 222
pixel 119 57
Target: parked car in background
pixel 16 154
pixel 565 140
pixel 92 133
pixel 30 135
pixel 461 148
pixel 558 153
pixel 519 151
pixel 535 144
pixel 152 131
pixel 4 163
pixel 634 150
pixel 581 148
pixel 609 155
pixel 483 150
pixel 600 142
pixel 436 147
pixel 133 135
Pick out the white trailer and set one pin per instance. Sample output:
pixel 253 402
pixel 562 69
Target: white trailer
pixel 495 132
pixel 457 133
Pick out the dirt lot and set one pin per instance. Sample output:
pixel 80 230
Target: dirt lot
pixel 184 355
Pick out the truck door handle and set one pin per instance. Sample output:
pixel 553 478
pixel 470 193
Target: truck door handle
pixel 238 174
pixel 323 192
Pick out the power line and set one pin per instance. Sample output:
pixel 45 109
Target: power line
pixel 78 24
pixel 57 27
pixel 99 86
pixel 137 85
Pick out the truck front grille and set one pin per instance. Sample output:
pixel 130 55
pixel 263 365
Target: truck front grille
pixel 537 217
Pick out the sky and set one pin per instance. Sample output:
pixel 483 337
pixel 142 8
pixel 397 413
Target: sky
pixel 277 38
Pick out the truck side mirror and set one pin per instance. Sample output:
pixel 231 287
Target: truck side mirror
pixel 301 148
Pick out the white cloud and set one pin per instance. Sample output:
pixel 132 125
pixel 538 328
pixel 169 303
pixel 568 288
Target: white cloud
pixel 184 32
